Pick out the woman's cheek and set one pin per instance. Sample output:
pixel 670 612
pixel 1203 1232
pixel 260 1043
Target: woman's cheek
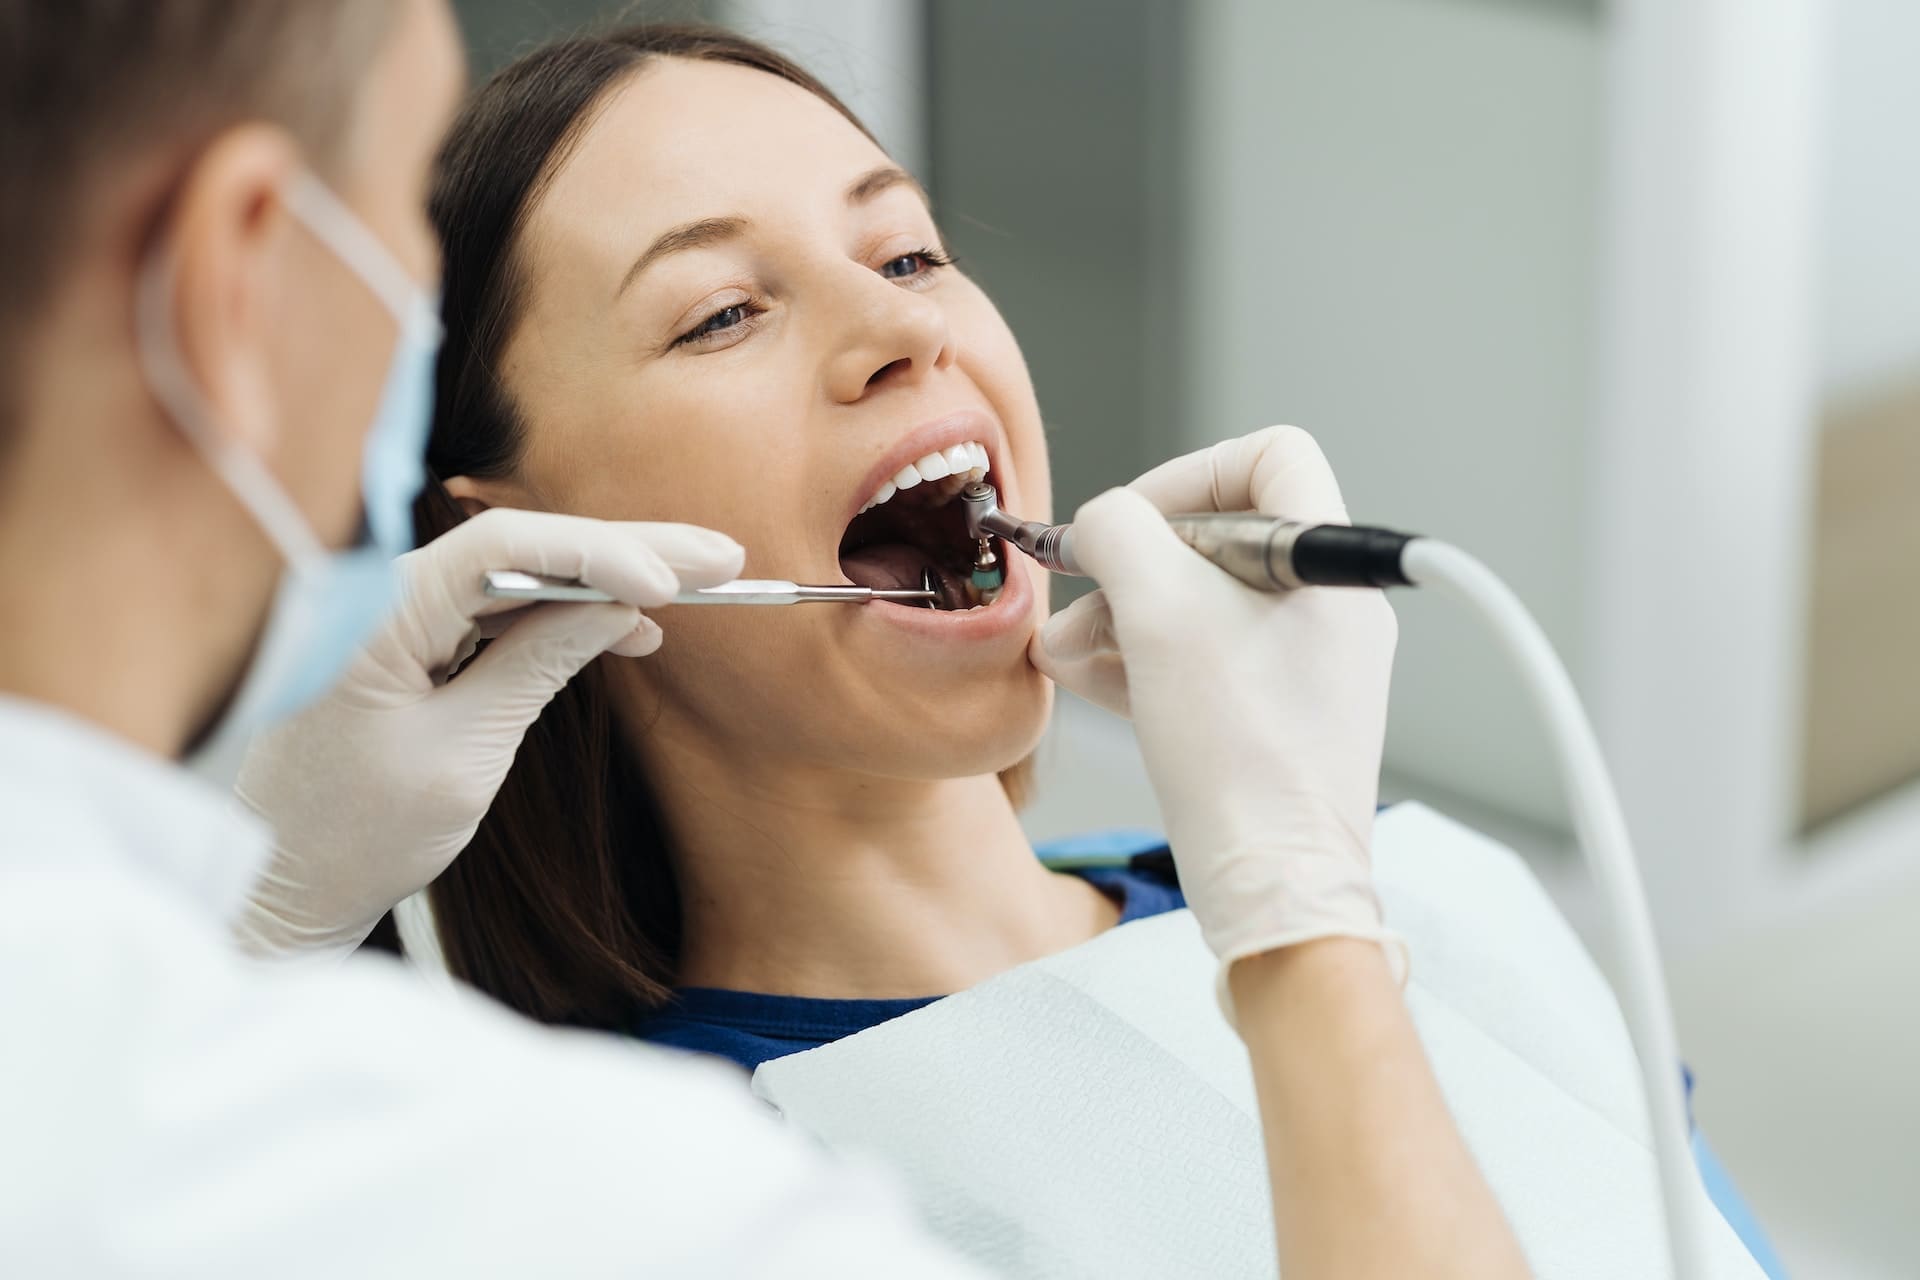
pixel 993 357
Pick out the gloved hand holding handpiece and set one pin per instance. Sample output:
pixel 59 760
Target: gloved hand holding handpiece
pixel 412 762
pixel 1261 715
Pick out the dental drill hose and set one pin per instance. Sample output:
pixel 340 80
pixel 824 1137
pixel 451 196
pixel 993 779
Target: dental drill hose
pixel 1264 552
pixel 1273 554
pixel 1601 827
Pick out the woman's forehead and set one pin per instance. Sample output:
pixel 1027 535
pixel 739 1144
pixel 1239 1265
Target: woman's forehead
pixel 683 140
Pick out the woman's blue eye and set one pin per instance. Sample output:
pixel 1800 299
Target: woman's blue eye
pixel 719 322
pixel 917 263
pixel 725 318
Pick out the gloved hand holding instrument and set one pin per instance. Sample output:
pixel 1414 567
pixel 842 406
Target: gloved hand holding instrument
pixel 373 790
pixel 1260 710
pixel 1261 714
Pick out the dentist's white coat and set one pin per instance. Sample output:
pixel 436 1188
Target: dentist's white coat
pixel 168 1108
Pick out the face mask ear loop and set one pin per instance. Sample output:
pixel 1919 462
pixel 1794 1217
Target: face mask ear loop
pixel 239 467
pixel 341 230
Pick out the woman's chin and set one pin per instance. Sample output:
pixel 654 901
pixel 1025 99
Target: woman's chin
pixel 982 728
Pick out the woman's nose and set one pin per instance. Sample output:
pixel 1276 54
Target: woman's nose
pixel 890 334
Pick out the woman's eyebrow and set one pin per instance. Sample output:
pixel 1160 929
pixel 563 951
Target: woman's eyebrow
pixel 688 235
pixel 711 231
pixel 873 182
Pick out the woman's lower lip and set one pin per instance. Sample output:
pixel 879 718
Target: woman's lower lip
pixel 1007 612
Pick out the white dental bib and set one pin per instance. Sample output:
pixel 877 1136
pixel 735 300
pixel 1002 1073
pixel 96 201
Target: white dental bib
pixel 1092 1114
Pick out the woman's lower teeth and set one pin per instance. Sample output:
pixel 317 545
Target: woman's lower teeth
pixel 977 590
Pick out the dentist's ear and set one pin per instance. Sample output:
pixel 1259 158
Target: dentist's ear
pixel 227 232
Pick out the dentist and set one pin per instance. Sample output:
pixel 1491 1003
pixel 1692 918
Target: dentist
pixel 216 343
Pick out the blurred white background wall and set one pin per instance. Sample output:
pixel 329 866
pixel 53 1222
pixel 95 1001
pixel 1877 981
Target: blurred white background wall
pixel 1869 316
pixel 1394 242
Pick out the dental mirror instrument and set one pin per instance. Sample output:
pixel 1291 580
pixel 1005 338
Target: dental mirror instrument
pixel 509 584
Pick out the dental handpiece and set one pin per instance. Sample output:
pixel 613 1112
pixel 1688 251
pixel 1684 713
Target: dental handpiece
pixel 1270 553
pixel 509 584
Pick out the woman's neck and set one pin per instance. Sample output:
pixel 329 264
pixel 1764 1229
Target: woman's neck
pixel 817 883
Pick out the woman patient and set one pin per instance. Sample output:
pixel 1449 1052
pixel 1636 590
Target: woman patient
pixel 684 283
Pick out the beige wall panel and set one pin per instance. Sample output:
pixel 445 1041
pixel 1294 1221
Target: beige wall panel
pixel 1863 677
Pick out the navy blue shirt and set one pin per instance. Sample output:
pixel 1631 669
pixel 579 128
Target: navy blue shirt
pixel 751 1028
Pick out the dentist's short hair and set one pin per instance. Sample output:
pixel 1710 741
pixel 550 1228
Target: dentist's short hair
pixel 89 87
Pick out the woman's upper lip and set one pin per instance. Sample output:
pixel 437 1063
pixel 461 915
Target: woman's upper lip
pixel 929 437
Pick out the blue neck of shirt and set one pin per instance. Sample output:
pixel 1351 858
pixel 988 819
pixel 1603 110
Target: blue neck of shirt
pixel 751 1027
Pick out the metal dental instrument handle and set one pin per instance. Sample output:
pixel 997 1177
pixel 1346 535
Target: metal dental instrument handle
pixel 1266 552
pixel 509 584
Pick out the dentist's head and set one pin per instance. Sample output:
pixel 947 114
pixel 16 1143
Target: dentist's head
pixel 216 336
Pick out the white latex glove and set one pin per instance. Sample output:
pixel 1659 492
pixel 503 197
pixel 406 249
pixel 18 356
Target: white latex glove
pixel 1261 715
pixel 373 790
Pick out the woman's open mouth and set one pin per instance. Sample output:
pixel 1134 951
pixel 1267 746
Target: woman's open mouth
pixel 912 535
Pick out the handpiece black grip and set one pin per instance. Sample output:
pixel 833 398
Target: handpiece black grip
pixel 1338 555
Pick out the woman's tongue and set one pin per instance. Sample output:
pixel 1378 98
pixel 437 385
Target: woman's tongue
pixel 895 566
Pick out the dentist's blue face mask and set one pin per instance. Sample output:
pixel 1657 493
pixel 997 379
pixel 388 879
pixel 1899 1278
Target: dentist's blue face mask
pixel 328 602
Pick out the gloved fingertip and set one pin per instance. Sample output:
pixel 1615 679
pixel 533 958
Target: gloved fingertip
pixel 605 627
pixel 699 557
pixel 1079 630
pixel 718 546
pixel 721 566
pixel 1119 519
pixel 1052 639
pixel 1121 538
pixel 659 582
pixel 544 649
pixel 644 639
pixel 1286 473
pixel 1082 659
pixel 1117 503
pixel 694 544
pixel 1038 656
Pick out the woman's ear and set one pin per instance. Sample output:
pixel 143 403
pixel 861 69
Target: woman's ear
pixel 475 496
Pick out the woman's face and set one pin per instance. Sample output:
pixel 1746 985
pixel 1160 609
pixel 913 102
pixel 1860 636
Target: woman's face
pixel 735 316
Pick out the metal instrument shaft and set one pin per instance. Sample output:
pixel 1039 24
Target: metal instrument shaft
pixel 508 584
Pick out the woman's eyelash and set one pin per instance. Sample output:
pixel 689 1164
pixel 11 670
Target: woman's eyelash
pixel 737 314
pixel 934 258
pixel 707 328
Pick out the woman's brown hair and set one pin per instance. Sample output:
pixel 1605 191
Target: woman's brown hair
pixel 564 905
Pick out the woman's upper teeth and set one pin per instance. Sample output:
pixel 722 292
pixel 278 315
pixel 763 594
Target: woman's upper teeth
pixel 966 459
